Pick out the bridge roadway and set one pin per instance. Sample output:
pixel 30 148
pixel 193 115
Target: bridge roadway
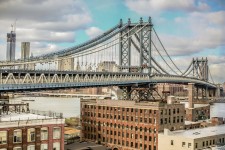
pixel 35 80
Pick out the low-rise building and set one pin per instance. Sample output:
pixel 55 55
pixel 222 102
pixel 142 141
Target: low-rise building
pixel 128 125
pixel 22 130
pixel 198 112
pixel 195 139
pixel 30 131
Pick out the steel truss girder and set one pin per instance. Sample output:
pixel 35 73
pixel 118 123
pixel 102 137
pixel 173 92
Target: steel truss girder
pixel 125 49
pixel 200 69
pixel 51 78
pixel 145 48
pixel 138 93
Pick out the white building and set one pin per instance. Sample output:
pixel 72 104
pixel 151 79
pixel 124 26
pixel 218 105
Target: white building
pixel 195 139
pixel 107 66
pixel 66 64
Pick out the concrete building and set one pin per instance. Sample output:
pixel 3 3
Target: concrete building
pixel 198 112
pixel 128 125
pixel 108 66
pixel 171 89
pixel 25 50
pixel 66 64
pixel 11 46
pixel 25 55
pixel 195 139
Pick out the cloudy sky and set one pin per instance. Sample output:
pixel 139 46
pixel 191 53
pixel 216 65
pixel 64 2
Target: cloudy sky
pixel 187 28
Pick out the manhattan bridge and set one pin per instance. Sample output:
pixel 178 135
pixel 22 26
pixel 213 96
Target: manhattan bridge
pixel 129 55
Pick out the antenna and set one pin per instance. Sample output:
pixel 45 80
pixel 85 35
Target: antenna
pixel 12 27
pixel 15 25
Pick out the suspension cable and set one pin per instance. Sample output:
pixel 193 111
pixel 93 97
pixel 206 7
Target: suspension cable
pixel 166 51
pixel 210 75
pixel 163 58
pixel 41 60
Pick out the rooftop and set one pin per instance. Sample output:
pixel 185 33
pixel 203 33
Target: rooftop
pixel 21 116
pixel 27 119
pixel 195 105
pixel 200 132
pixel 126 103
pixel 69 130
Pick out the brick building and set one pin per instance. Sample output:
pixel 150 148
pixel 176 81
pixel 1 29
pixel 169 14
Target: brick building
pixel 22 130
pixel 172 89
pixel 128 124
pixel 30 132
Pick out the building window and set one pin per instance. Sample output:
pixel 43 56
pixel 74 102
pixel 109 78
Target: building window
pixel 17 148
pixel 44 146
pixel 17 136
pixel 31 135
pixel 183 144
pixel 189 145
pixel 44 133
pixel 174 111
pixel 136 145
pixel 3 137
pixel 181 120
pixel 196 145
pixel 56 146
pixel 31 147
pixel 56 133
pixel 171 142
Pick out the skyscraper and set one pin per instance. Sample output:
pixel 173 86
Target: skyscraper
pixel 11 46
pixel 25 55
pixel 25 50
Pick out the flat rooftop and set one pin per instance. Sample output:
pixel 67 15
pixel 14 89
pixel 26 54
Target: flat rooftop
pixel 200 132
pixel 186 104
pixel 126 103
pixel 21 116
pixel 84 146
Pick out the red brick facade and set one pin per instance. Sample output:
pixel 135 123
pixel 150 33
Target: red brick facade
pixel 128 127
pixel 24 143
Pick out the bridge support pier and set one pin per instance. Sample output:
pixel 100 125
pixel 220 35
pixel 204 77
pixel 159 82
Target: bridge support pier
pixel 191 95
pixel 196 94
pixel 205 93
pixel 217 91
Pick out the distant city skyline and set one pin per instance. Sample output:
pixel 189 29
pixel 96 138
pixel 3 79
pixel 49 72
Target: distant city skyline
pixel 187 29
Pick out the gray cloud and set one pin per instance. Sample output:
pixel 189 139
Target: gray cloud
pixel 93 32
pixel 154 7
pixel 43 21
